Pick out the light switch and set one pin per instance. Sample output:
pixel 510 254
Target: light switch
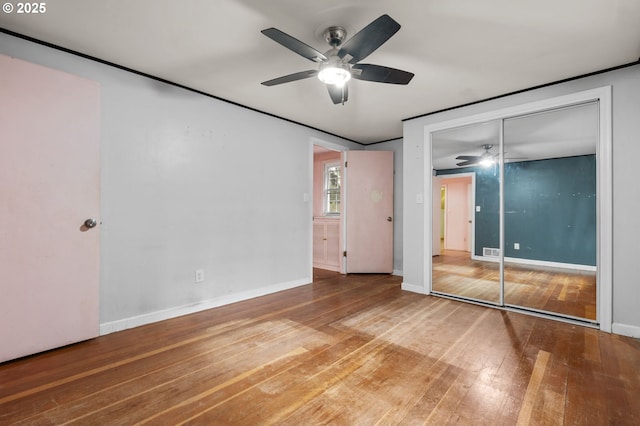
pixel 477 208
pixel 419 199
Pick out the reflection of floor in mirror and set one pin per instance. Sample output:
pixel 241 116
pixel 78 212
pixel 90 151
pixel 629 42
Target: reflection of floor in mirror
pixel 563 291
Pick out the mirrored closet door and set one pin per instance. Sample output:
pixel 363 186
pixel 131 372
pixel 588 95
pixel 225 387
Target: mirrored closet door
pixel 514 212
pixel 550 206
pixel 466 219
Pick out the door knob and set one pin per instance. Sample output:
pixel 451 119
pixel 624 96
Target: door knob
pixel 90 223
pixel 389 219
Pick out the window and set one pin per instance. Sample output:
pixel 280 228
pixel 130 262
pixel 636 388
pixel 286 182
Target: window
pixel 332 189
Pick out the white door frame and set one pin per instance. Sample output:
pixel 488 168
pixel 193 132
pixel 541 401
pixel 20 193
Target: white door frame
pixel 604 184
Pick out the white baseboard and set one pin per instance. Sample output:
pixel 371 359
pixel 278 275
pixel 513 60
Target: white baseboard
pixel 413 288
pixel 532 262
pixel 397 272
pixel 151 317
pixel 626 330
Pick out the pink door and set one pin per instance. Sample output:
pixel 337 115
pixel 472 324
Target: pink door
pixel 457 215
pixel 369 211
pixel 49 186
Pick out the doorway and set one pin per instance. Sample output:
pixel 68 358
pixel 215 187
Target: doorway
pixel 327 208
pixel 456 223
pixel 352 213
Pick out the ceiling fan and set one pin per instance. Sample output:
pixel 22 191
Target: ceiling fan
pixel 484 159
pixel 340 62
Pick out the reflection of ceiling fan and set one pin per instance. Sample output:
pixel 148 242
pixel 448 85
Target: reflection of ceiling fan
pixel 485 159
pixel 339 64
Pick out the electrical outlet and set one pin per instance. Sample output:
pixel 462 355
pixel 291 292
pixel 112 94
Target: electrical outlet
pixel 516 246
pixel 199 275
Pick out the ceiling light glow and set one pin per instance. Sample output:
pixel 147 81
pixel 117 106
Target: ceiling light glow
pixel 487 162
pixel 336 76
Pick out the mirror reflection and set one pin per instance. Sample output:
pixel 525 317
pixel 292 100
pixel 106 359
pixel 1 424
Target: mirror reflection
pixel 550 211
pixel 549 245
pixel 466 216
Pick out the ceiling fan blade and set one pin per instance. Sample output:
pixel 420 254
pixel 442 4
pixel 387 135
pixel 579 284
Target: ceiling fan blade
pixel 381 74
pixel 369 39
pixel 339 95
pixel 294 44
pixel 467 157
pixel 291 77
pixel 467 163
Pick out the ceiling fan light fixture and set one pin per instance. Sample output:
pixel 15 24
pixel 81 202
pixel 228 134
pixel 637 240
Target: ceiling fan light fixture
pixel 335 75
pixel 487 162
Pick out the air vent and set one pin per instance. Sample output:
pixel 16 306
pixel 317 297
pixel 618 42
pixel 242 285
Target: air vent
pixel 491 252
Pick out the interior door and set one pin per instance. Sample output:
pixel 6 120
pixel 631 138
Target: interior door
pixel 457 216
pixel 49 186
pixel 369 211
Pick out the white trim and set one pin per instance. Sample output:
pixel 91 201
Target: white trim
pixel 604 184
pixel 604 192
pixel 413 288
pixel 326 144
pixel 626 330
pixel 344 196
pixel 310 191
pixel 151 317
pixel 534 262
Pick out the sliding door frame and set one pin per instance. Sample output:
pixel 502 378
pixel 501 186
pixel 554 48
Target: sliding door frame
pixel 604 188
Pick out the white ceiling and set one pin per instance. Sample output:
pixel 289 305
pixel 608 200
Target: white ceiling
pixel 461 51
pixel 563 132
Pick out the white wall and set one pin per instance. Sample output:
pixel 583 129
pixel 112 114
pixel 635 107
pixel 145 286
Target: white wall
pixel 190 182
pixel 625 84
pixel 396 147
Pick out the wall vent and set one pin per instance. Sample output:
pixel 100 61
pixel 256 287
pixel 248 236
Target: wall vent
pixel 491 252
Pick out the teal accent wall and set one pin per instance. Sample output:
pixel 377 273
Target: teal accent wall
pixel 550 209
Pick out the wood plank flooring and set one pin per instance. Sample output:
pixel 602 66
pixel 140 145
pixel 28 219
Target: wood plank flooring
pixel 556 290
pixel 346 350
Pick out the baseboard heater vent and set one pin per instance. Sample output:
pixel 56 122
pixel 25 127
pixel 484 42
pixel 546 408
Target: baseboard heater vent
pixel 491 252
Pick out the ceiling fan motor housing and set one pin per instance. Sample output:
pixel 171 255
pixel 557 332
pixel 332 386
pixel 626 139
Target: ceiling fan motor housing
pixel 335 35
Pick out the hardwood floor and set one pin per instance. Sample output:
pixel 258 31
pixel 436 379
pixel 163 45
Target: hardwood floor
pixel 556 290
pixel 352 350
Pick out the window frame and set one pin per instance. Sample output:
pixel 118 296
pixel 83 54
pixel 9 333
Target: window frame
pixel 327 191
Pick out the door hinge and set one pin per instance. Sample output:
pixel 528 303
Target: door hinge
pixel 344 253
pixel 345 164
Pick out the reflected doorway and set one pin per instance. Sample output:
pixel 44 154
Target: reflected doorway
pixel 456 222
